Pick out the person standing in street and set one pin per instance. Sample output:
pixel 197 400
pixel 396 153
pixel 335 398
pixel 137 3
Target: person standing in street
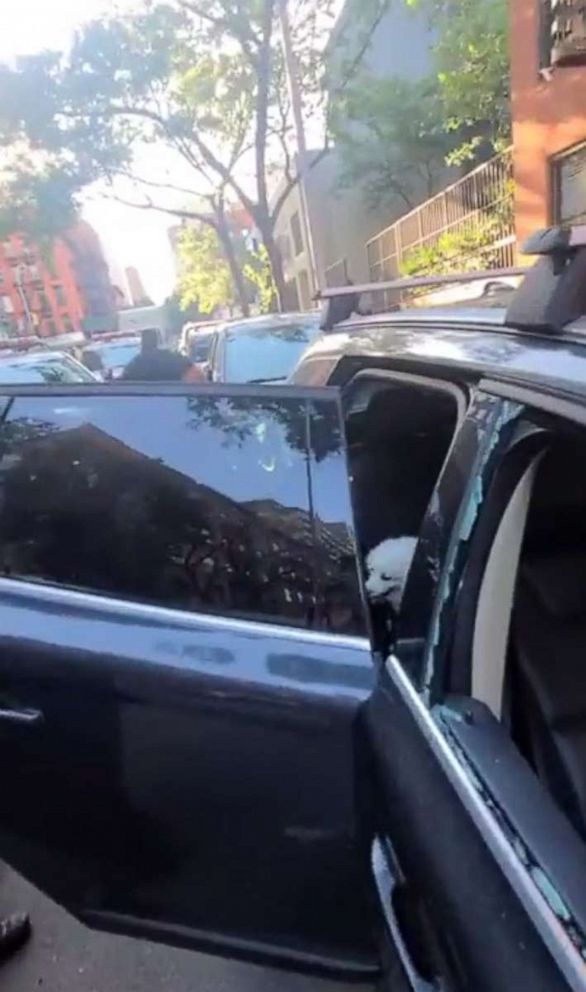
pixel 155 364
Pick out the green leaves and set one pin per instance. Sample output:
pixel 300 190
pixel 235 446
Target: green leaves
pixel 258 273
pixel 390 139
pixel 204 276
pixel 471 63
pixel 396 137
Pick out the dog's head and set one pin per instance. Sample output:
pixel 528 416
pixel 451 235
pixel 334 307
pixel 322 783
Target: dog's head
pixel 387 566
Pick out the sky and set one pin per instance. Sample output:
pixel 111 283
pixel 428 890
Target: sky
pixel 129 237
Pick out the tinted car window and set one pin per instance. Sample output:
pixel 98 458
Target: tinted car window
pixel 200 503
pixel 255 354
pixel 199 346
pixel 115 355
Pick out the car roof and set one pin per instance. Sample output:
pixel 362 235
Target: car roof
pixel 474 339
pixel 110 342
pixel 271 320
pixel 31 357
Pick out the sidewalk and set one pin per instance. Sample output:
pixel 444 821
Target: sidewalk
pixel 64 956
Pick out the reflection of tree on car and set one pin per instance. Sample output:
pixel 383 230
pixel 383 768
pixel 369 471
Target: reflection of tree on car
pixel 103 515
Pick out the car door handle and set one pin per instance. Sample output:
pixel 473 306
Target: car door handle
pixel 386 883
pixel 27 717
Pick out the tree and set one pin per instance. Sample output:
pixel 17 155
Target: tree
pixel 395 136
pixel 471 64
pixel 201 82
pixel 391 139
pixel 204 276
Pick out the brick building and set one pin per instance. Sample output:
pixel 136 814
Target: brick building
pixel 56 291
pixel 548 83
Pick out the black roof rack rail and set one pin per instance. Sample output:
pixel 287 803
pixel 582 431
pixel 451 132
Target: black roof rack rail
pixel 343 301
pixel 553 293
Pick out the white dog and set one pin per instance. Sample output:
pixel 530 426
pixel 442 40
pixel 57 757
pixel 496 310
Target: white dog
pixel 387 567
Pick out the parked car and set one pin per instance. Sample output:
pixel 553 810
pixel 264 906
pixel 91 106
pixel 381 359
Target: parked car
pixel 42 367
pixel 211 738
pixel 260 349
pixel 195 340
pixel 109 354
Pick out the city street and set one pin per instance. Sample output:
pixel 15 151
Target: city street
pixel 64 956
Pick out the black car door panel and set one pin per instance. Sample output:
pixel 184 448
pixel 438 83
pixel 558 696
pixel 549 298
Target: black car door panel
pixel 486 939
pixel 550 855
pixel 193 640
pixel 197 746
pixel 484 934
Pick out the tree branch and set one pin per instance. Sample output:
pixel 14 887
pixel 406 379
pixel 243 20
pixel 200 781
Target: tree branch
pixel 153 184
pixel 292 182
pixel 262 101
pixel 357 60
pixel 244 36
pixel 209 157
pixel 208 219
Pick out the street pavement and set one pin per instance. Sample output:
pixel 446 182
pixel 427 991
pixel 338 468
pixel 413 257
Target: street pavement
pixel 64 956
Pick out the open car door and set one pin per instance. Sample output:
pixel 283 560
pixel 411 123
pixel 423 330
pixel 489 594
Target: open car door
pixel 463 853
pixel 183 653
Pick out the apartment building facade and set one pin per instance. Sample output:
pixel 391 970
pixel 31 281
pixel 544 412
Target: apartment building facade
pixel 49 291
pixel 341 220
pixel 548 87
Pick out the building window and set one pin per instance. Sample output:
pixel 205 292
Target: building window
pixel 296 233
pixel 6 304
pixel 569 186
pixel 564 25
pixel 545 33
pixel 43 305
pixel 60 296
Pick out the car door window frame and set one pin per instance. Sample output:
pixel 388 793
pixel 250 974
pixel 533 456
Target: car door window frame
pixel 450 386
pixel 220 390
pixel 531 871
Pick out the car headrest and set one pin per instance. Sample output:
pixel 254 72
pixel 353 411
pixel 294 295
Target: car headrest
pixel 393 409
pixel 558 582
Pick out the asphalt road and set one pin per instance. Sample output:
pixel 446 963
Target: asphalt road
pixel 64 956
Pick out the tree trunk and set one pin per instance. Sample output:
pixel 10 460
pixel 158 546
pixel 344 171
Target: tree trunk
pixel 268 239
pixel 229 252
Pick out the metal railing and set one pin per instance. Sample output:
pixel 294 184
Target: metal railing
pixel 479 206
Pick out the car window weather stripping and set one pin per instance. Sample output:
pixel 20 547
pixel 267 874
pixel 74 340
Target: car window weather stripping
pixel 535 897
pixel 501 417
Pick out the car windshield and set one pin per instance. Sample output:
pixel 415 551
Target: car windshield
pixel 116 355
pixel 43 370
pixel 268 353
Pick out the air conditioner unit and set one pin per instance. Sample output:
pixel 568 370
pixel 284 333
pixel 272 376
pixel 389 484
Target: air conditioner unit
pixel 568 32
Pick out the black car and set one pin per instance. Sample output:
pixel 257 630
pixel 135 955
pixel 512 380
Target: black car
pixel 210 737
pixel 259 349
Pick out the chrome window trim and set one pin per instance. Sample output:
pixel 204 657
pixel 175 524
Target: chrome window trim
pixel 22 588
pixel 561 948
